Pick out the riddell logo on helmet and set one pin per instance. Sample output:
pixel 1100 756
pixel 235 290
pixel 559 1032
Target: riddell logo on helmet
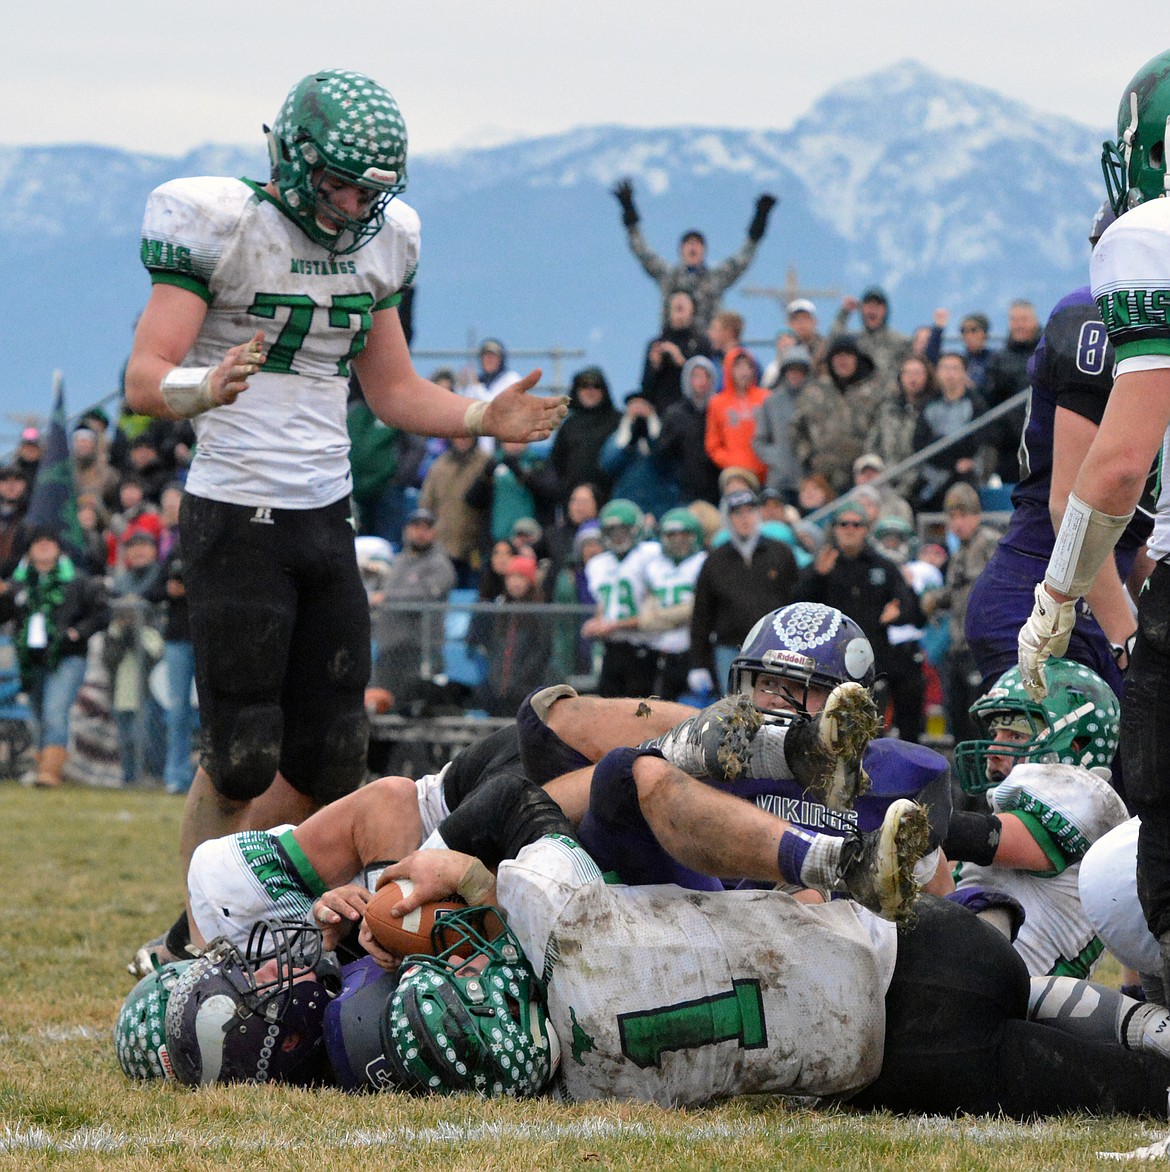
pixel 778 658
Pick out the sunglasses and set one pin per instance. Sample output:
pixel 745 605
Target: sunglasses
pixel 851 525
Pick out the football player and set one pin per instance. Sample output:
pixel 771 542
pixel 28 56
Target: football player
pixel 1072 374
pixel 265 298
pixel 793 737
pixel 665 611
pixel 615 579
pixel 755 992
pixel 1046 810
pixel 1130 282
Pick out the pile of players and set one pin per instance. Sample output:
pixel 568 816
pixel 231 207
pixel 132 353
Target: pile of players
pixel 759 862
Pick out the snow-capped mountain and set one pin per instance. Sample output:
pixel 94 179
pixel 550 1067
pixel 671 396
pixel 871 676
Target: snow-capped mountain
pixel 943 192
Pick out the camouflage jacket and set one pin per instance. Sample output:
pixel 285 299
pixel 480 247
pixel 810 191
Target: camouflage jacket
pixel 830 428
pixel 706 285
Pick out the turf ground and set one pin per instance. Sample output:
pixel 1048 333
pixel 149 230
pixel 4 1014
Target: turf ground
pixel 87 875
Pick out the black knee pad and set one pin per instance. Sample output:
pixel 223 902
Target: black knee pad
pixel 341 761
pixel 246 768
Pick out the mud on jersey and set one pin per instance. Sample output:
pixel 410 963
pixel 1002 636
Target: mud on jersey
pixel 1130 271
pixel 283 443
pixel 679 997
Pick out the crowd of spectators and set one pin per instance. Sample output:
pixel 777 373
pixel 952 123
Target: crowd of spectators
pixel 757 453
pixel 97 611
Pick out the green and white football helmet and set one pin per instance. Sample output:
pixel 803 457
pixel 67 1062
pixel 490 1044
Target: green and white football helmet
pixel 140 1034
pixel 1135 165
pixel 623 525
pixel 1076 723
pixel 473 1017
pixel 681 534
pixel 343 125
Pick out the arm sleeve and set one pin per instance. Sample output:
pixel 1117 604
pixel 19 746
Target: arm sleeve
pixel 725 274
pixel 654 265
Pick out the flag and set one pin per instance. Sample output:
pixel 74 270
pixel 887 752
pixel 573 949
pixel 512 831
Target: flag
pixel 53 503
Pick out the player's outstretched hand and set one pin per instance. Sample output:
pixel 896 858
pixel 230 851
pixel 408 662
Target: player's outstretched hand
pixel 516 415
pixel 1046 633
pixel 229 380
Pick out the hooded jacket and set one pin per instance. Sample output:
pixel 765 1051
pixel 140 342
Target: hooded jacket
pixel 679 451
pixel 731 422
pixel 578 442
pixel 834 416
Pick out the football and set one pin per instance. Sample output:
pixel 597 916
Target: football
pixel 412 933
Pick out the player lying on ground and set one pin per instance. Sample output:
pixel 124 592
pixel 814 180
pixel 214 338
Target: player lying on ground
pixel 754 991
pixel 1040 769
pixel 233 880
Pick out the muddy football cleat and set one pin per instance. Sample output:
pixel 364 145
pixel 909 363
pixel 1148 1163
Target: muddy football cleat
pixel 877 867
pixel 717 743
pixel 825 751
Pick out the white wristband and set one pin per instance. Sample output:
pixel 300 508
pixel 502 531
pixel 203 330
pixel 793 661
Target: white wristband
pixel 186 390
pixel 473 418
pixel 1085 540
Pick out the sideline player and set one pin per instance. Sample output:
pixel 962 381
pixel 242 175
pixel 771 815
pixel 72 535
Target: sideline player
pixel 1072 374
pixel 263 298
pixel 1130 272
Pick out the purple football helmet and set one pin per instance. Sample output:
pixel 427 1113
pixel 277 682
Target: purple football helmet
pixel 353 1027
pixel 255 1016
pixel 807 644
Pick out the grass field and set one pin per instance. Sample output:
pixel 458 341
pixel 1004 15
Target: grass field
pixel 87 875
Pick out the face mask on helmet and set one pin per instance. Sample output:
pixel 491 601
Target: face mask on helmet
pixel 1135 165
pixel 681 534
pixel 807 645
pixel 621 524
pixel 1076 723
pixel 255 1016
pixel 473 1017
pixel 140 1033
pixel 338 127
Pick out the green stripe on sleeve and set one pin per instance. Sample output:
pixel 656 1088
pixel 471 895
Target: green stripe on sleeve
pixel 308 874
pixel 181 282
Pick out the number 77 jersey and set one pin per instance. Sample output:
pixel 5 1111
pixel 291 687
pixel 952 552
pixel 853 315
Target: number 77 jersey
pixel 679 998
pixel 283 443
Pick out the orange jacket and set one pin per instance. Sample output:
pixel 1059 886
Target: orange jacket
pixel 731 424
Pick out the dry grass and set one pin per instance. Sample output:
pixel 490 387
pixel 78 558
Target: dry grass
pixel 89 874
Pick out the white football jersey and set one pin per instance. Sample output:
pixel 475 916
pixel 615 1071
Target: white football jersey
pixel 672 583
pixel 1130 272
pixel 679 997
pixel 619 585
pixel 283 443
pixel 1066 809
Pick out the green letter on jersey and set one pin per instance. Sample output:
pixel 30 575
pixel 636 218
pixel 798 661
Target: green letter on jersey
pixel 292 337
pixel 343 308
pixel 737 1015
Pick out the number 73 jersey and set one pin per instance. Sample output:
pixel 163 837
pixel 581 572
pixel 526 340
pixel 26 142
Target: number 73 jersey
pixel 678 998
pixel 283 443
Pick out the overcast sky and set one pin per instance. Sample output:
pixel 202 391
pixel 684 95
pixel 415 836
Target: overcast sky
pixel 165 77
